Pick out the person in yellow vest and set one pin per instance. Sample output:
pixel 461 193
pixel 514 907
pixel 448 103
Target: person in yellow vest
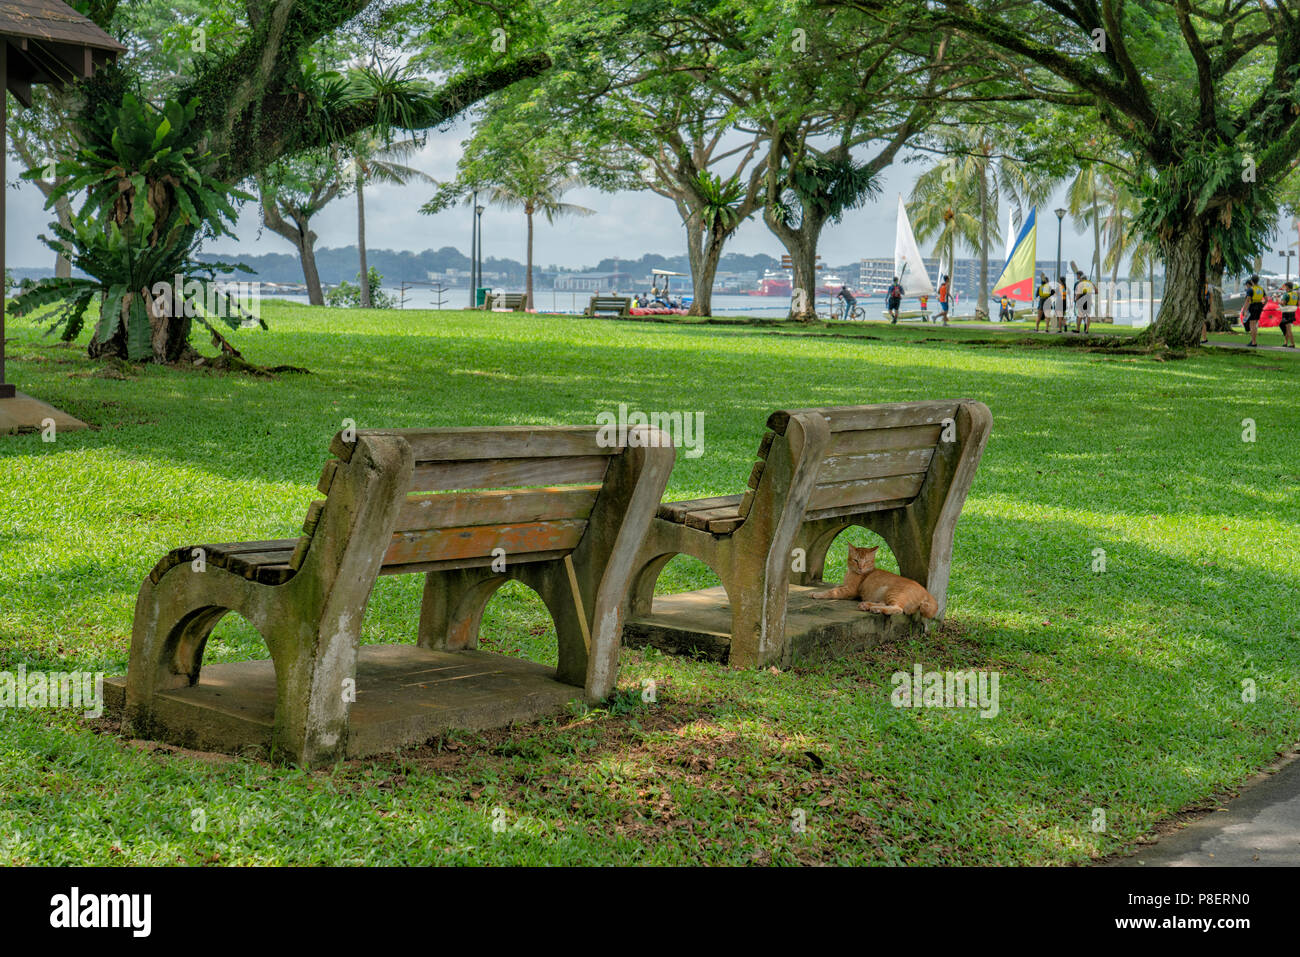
pixel 1083 299
pixel 1255 296
pixel 1006 312
pixel 1060 306
pixel 1044 296
pixel 1288 301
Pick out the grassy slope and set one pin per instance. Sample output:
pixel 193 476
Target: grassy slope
pixel 1119 690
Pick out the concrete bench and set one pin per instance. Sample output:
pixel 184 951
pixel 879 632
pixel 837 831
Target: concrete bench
pixel 900 470
pixel 618 306
pixel 555 508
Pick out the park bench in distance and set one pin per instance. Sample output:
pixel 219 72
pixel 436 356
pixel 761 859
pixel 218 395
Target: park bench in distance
pixel 901 471
pixel 568 515
pixel 619 306
pixel 514 301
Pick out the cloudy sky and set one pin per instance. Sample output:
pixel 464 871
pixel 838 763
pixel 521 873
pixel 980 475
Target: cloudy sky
pixel 626 224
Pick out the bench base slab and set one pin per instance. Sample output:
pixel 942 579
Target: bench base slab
pixel 405 696
pixel 699 623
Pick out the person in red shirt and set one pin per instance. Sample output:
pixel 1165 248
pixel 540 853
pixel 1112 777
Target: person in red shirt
pixel 943 299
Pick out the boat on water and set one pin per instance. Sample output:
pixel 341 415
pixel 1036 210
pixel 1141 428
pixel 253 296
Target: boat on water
pixel 831 284
pixel 775 282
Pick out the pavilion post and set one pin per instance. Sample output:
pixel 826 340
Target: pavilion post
pixel 6 391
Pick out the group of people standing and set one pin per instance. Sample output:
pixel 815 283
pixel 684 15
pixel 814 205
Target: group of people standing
pixel 1256 297
pixel 1054 300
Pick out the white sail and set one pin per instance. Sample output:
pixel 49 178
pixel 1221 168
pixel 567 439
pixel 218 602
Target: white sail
pixel 908 264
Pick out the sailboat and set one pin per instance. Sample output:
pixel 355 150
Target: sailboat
pixel 909 267
pixel 1016 281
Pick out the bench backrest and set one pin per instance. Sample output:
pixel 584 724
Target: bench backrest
pixel 527 491
pixel 508 300
pixel 620 304
pixel 878 456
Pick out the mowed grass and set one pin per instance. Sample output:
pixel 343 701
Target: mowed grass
pixel 1120 690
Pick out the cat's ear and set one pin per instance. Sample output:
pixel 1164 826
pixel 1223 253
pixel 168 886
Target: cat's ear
pixel 853 552
pixel 871 552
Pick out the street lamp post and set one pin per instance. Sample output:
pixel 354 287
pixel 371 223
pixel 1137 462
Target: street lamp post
pixel 478 253
pixel 1288 253
pixel 1060 216
pixel 473 259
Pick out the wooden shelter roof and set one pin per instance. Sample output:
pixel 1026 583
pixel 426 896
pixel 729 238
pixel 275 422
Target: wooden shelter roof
pixel 49 42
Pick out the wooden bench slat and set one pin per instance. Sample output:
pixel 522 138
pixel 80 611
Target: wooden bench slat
pixel 844 468
pixel 327 476
pixel 746 503
pixel 476 541
pixel 275 574
pixel 248 564
pixel 706 519
pixel 499 507
pixel 852 417
pixel 503 473
pixel 880 440
pixel 765 446
pixel 505 442
pixel 677 511
pixel 813 515
pixel 865 491
pixel 480 561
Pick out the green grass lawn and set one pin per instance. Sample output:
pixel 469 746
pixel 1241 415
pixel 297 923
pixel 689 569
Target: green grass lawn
pixel 1120 690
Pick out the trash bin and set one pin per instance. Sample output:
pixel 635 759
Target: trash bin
pixel 481 295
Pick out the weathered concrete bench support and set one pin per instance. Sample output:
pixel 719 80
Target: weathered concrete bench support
pixel 901 471
pixel 567 518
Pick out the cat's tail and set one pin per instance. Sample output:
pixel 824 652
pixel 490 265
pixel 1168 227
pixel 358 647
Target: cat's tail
pixel 929 607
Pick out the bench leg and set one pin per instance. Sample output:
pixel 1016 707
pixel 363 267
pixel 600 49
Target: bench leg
pixel 452 609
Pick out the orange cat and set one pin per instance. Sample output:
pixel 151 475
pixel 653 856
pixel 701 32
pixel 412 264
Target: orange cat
pixel 878 590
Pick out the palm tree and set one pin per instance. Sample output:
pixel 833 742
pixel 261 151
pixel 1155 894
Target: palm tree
pixel 373 160
pixel 945 206
pixel 535 186
pixel 975 177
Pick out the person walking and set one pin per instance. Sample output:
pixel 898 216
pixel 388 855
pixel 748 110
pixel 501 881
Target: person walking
pixel 943 299
pixel 894 299
pixel 1044 296
pixel 1255 296
pixel 1005 311
pixel 848 300
pixel 1288 301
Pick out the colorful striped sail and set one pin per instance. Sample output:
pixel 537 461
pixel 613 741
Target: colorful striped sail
pixel 1017 278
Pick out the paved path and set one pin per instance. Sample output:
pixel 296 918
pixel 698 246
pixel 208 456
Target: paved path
pixel 1260 828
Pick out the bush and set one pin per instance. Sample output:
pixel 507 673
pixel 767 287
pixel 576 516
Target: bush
pixel 347 294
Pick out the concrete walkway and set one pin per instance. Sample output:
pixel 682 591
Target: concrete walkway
pixel 1259 828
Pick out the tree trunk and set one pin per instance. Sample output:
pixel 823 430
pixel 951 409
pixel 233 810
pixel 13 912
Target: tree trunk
pixel 1178 323
pixel 528 279
pixel 62 264
pixel 1096 233
pixel 982 305
pixel 1218 322
pixel 307 254
pixel 361 240
pixel 703 275
pixel 801 244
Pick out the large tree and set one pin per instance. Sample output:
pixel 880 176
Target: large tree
pixel 1203 95
pixel 292 191
pixel 251 95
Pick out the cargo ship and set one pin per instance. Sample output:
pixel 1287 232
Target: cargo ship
pixel 776 282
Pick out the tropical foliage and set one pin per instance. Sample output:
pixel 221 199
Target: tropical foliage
pixel 148 205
